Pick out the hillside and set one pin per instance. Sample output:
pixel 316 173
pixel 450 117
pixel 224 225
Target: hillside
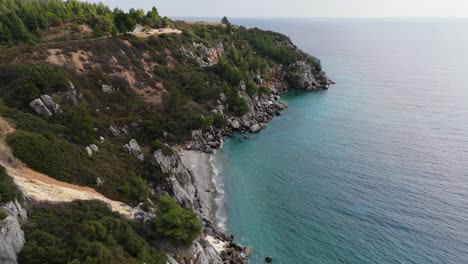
pixel 100 100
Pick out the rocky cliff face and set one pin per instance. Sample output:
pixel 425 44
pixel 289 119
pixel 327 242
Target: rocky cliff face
pixel 11 236
pixel 261 107
pixel 184 188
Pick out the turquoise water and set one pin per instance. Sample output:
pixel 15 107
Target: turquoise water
pixel 374 170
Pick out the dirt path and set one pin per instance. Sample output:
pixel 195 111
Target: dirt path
pixel 140 31
pixel 41 187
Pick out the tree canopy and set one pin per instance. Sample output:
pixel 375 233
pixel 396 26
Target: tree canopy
pixel 25 21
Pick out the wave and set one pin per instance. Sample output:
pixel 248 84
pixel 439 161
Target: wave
pixel 220 200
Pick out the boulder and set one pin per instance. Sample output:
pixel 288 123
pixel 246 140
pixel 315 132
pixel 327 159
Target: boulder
pixel 235 124
pixel 114 131
pixel 255 128
pixel 258 79
pixel 94 148
pixel 40 108
pixel 269 259
pixel 134 149
pixel 223 98
pixel 89 151
pixel 107 88
pixel 242 86
pixel 50 104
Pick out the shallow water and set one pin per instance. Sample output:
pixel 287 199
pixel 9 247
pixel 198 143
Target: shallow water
pixel 374 170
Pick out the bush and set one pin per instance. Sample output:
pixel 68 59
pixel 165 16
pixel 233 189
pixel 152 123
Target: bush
pixel 178 224
pixel 81 127
pixel 83 232
pixel 3 214
pixel 37 79
pixel 264 90
pixel 8 189
pixel 237 104
pixel 70 163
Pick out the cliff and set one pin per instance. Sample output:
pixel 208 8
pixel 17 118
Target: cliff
pixel 101 116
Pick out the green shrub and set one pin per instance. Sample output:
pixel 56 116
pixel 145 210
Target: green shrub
pixel 237 104
pixel 37 79
pixel 219 121
pixel 67 162
pixel 264 90
pixel 81 127
pixel 29 122
pixel 178 224
pixel 3 214
pixel 83 232
pixel 8 189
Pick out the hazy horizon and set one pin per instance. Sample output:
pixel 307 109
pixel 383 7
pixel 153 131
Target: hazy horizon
pixel 302 8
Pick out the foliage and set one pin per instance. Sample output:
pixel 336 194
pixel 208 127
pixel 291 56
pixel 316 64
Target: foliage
pixel 158 145
pixel 8 189
pixel 70 163
pixel 25 21
pixel 29 122
pixel 38 79
pixel 82 232
pixel 264 90
pixel 81 127
pixel 3 214
pixel 178 224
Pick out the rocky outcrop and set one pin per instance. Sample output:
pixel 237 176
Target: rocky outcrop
pixel 204 56
pixel 45 106
pixel 134 149
pixel 40 108
pixel 11 236
pixel 304 76
pixel 180 180
pixel 107 88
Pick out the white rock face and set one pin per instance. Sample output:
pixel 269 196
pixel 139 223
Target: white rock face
pixel 94 148
pixel 107 88
pixel 40 108
pixel 11 236
pixel 134 149
pixel 89 151
pixel 180 179
pixel 50 104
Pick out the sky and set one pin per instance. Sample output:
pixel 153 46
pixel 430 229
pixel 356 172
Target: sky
pixel 299 8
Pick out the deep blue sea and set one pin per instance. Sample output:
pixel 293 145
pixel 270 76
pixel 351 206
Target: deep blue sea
pixel 374 170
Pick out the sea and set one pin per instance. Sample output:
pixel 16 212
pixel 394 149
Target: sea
pixel 373 170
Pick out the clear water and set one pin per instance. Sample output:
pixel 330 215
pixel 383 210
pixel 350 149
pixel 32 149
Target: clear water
pixel 375 170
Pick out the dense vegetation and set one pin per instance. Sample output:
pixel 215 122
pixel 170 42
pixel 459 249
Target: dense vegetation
pixel 82 232
pixel 178 224
pixel 8 189
pixel 87 232
pixel 67 162
pixel 27 21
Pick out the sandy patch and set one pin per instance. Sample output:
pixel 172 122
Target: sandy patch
pixel 141 32
pixel 41 187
